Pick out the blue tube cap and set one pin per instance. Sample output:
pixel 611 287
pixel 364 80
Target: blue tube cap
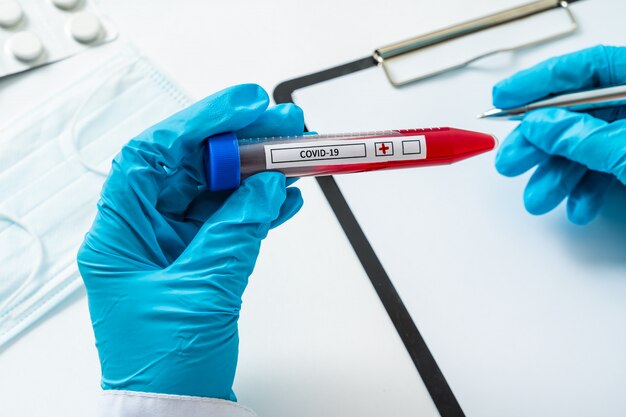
pixel 222 166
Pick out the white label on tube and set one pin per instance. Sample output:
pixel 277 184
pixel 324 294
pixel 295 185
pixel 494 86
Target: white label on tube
pixel 345 152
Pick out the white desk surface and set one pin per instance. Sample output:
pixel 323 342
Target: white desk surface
pixel 315 339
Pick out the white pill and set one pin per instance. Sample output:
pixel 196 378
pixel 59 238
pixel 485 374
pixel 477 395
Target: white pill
pixel 25 46
pixel 10 13
pixel 85 27
pixel 66 4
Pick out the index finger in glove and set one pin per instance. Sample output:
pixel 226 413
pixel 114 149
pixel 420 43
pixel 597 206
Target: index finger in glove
pixel 173 147
pixel 590 68
pixel 169 141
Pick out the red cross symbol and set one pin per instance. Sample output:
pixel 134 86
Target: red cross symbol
pixel 383 148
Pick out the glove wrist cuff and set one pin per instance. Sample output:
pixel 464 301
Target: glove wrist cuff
pixel 116 403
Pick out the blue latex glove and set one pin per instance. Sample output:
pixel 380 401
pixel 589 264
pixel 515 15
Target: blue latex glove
pixel 579 156
pixel 166 262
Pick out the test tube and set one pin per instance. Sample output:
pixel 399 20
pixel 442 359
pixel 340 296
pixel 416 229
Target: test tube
pixel 229 159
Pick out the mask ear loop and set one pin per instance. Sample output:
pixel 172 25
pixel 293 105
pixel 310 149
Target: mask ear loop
pixel 73 139
pixel 38 260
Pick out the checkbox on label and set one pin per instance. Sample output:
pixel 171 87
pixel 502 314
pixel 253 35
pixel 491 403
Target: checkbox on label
pixel 411 147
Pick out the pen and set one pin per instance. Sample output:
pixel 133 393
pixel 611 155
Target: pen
pixel 581 101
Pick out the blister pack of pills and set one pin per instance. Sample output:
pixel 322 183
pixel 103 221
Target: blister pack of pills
pixel 38 32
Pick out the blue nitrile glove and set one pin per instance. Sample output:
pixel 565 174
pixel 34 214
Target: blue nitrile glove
pixel 166 262
pixel 579 156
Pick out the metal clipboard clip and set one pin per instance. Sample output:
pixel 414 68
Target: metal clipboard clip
pixel 527 19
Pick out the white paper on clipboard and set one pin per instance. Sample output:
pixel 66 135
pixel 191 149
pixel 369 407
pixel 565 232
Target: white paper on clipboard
pixel 525 315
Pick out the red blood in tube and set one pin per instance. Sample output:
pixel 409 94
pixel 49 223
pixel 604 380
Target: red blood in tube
pixel 444 145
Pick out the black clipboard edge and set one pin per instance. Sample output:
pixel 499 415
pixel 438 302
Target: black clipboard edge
pixel 283 93
pixel 425 363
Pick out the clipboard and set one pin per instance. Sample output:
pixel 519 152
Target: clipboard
pixel 568 38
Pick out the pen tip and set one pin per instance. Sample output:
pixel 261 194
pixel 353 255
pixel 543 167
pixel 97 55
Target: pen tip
pixel 491 113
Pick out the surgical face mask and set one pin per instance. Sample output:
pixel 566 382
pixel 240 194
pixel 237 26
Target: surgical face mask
pixel 53 162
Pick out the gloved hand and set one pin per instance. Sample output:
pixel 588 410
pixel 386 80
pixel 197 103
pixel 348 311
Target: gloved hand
pixel 166 262
pixel 579 155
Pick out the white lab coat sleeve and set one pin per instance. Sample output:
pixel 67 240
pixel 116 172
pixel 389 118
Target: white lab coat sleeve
pixel 142 404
